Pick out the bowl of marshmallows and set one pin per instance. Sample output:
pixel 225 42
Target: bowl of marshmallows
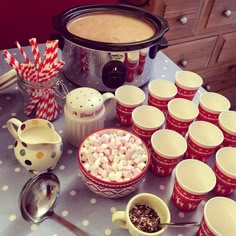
pixel 113 162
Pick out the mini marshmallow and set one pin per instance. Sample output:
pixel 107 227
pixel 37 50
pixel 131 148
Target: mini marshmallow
pixel 116 159
pixel 115 176
pixel 105 138
pixel 111 158
pixel 91 159
pixel 141 165
pixel 107 152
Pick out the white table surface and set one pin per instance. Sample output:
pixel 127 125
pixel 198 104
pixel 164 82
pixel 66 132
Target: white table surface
pixel 76 203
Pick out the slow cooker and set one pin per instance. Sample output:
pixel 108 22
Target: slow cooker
pixel 107 45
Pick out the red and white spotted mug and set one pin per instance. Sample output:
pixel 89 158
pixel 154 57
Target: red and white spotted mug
pixel 218 217
pixel 193 180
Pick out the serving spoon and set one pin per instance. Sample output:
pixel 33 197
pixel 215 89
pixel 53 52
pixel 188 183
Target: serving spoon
pixel 181 224
pixel 38 199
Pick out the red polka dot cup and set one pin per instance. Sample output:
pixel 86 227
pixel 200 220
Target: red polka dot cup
pixel 143 123
pixel 128 98
pixel 187 84
pixel 181 113
pixel 218 217
pixel 193 180
pixel 225 171
pixel 168 147
pixel 203 140
pixel 211 105
pixel 227 124
pixel 38 147
pixel 160 92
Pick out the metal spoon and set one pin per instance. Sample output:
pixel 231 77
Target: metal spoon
pixel 181 224
pixel 38 198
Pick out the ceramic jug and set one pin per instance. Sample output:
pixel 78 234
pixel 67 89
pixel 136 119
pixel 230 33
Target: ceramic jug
pixel 38 147
pixel 85 111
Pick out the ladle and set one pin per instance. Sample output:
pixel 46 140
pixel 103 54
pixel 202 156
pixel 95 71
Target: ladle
pixel 38 199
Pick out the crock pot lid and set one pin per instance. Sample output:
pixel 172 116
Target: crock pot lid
pixel 159 23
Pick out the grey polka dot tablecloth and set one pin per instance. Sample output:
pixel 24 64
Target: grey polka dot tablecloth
pixel 76 202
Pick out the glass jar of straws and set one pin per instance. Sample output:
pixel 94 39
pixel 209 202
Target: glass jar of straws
pixel 43 99
pixel 39 79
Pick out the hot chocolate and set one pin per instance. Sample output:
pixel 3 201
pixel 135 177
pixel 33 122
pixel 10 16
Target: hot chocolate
pixel 111 27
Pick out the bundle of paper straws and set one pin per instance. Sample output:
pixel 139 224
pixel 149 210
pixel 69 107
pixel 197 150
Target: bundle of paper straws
pixel 41 70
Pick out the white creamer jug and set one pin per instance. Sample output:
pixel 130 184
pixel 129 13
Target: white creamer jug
pixel 85 112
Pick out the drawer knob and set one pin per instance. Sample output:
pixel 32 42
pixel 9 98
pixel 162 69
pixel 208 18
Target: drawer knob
pixel 184 63
pixel 207 87
pixel 227 13
pixel 183 20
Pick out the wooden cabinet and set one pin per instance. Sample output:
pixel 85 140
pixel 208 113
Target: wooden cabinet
pixel 202 38
pixel 194 55
pixel 217 15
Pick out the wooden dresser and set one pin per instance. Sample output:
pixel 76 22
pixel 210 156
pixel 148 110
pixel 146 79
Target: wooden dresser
pixel 202 38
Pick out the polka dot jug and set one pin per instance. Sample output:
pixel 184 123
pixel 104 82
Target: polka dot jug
pixel 85 113
pixel 38 147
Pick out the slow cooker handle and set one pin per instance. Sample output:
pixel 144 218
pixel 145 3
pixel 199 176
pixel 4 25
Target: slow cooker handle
pixel 163 43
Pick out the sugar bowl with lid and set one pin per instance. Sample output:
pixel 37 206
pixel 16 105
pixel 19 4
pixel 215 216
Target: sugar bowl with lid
pixel 84 112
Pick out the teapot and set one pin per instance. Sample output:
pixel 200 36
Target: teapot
pixel 38 147
pixel 85 111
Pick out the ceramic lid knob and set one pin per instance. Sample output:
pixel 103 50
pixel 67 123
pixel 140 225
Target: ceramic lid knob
pixel 84 102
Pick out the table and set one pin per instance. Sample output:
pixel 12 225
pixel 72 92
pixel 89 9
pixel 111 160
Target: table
pixel 76 203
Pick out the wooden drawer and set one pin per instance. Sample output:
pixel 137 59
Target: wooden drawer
pixel 193 55
pixel 225 50
pixel 181 15
pixel 221 80
pixel 217 15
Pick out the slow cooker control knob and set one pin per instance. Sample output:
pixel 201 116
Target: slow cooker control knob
pixel 114 74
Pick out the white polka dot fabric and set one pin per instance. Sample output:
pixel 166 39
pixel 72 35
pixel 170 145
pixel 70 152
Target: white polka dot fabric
pixel 76 203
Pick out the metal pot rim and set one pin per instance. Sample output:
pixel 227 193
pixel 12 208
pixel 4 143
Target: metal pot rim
pixel 159 23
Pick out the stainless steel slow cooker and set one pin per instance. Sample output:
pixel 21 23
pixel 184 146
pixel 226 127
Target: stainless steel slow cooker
pixel 101 54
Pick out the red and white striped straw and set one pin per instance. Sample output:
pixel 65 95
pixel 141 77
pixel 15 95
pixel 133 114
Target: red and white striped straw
pixel 53 71
pixel 32 104
pixel 35 52
pixel 11 60
pixel 27 60
pixel 42 106
pixel 51 54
